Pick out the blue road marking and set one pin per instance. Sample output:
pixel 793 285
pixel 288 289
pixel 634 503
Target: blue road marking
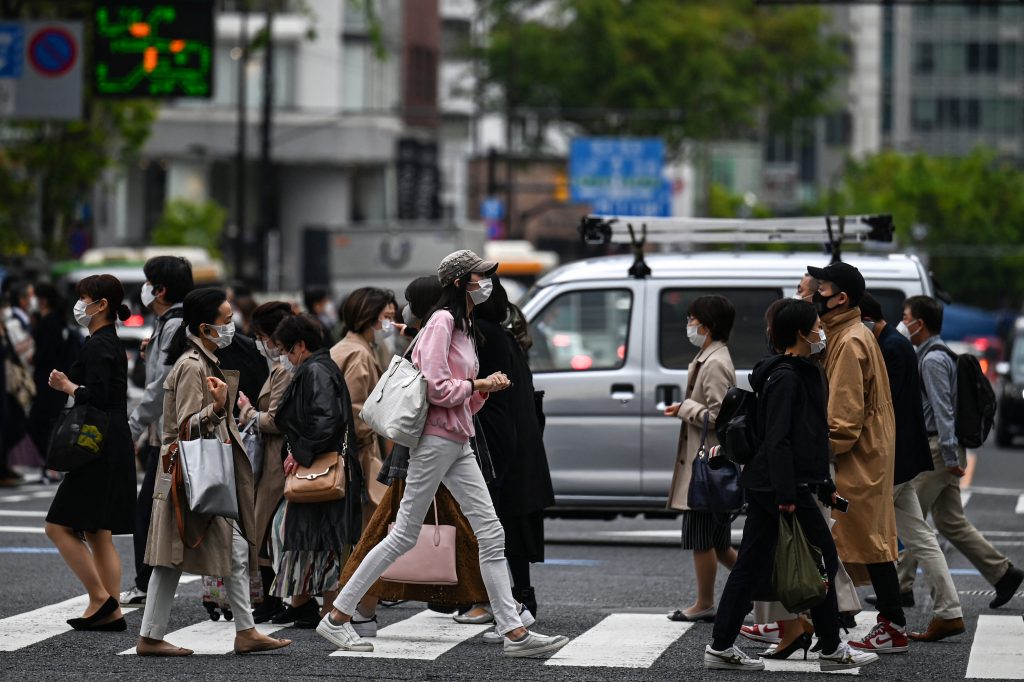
pixel 28 550
pixel 573 562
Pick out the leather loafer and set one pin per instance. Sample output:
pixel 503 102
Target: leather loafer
pixel 1007 586
pixel 939 628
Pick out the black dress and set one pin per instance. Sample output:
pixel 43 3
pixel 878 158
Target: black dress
pixel 101 495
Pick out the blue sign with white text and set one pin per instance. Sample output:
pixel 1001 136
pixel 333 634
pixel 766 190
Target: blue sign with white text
pixel 620 176
pixel 12 50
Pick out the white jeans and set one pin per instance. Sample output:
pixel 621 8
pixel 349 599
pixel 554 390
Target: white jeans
pixel 434 461
pixel 164 581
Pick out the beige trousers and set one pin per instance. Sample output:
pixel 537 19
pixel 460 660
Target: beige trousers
pixel 939 494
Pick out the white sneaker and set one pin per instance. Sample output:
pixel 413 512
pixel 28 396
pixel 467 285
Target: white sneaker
pixel 732 658
pixel 844 658
pixel 342 636
pixel 133 597
pixel 534 645
pixel 492 636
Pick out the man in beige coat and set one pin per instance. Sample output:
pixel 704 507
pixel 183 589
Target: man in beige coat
pixel 862 433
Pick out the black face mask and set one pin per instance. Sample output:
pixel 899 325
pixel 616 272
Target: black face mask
pixel 821 303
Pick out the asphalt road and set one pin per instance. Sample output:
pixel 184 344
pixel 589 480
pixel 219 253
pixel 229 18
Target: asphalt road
pixel 605 584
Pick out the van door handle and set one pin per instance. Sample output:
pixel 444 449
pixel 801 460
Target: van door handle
pixel 623 392
pixel 667 394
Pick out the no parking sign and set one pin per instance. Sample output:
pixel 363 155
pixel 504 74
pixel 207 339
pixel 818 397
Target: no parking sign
pixel 41 70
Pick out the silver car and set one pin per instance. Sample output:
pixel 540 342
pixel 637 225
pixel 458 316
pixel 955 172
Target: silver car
pixel 610 351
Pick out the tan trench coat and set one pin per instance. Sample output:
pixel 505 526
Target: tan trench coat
pixel 186 394
pixel 270 488
pixel 862 433
pixel 357 360
pixel 709 376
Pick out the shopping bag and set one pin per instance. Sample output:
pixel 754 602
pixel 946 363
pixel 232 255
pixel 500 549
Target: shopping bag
pixel 799 579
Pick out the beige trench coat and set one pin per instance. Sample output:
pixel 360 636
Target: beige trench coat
pixel 358 362
pixel 186 394
pixel 270 487
pixel 862 433
pixel 709 376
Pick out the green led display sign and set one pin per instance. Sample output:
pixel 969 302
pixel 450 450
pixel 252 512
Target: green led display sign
pixel 153 49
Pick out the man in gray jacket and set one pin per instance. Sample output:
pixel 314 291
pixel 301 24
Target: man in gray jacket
pixel 939 489
pixel 168 279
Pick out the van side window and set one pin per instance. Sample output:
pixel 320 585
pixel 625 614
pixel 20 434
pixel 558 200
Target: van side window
pixel 747 340
pixel 891 301
pixel 582 330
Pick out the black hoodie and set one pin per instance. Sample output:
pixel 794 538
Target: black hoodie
pixel 793 416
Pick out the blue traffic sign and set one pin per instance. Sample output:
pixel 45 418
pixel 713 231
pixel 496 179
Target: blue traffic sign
pixel 619 176
pixel 492 208
pixel 52 51
pixel 12 50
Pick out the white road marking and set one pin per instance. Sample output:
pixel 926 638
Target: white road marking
pixel 423 637
pixel 996 652
pixel 209 638
pixel 1020 505
pixel 21 512
pixel 22 529
pixel 15 498
pixel 965 497
pixel 32 627
pixel 622 640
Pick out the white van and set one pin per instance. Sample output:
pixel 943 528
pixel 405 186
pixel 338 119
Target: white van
pixel 610 350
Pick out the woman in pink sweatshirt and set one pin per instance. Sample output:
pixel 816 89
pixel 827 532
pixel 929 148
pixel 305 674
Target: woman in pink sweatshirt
pixel 445 352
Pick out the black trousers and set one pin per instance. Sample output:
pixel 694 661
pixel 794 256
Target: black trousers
pixel 886 582
pixel 757 555
pixel 143 514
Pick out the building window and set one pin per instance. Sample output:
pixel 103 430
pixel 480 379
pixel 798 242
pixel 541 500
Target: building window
pixel 982 57
pixel 923 114
pixel 839 129
pixel 422 72
pixel 1009 60
pixel 225 82
pixel 924 58
pixel 368 82
pixel 455 39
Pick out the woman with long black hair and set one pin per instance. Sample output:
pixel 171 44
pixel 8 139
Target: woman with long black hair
pixel 198 397
pixel 446 355
pixel 98 499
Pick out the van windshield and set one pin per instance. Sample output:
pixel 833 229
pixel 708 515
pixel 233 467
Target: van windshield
pixel 1017 360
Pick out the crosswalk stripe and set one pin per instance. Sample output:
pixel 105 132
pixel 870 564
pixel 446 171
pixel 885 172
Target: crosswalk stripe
pixel 423 637
pixel 996 652
pixel 209 638
pixel 32 627
pixel 23 513
pixel 22 529
pixel 1020 505
pixel 965 497
pixel 622 640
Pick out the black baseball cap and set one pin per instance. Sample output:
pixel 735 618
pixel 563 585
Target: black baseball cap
pixel 846 277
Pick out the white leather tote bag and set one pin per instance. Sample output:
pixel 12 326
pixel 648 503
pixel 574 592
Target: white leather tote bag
pixel 397 406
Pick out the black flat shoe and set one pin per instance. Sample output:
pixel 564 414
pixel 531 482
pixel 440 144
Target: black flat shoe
pixel 118 625
pixel 705 616
pixel 108 608
pixel 801 642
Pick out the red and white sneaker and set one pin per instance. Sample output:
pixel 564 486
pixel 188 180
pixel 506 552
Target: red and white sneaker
pixel 769 633
pixel 884 638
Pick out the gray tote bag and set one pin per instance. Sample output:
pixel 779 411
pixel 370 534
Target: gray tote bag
pixel 397 406
pixel 208 469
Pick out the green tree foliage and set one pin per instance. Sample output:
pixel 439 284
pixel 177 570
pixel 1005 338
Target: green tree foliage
pixel 187 223
pixel 969 212
pixel 697 69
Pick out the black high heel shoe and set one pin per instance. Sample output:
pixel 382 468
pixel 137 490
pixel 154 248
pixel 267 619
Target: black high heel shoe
pixel 108 608
pixel 801 642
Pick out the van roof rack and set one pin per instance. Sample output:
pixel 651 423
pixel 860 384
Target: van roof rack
pixel 605 229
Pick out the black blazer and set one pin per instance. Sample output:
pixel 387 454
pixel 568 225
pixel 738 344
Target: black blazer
pixel 913 454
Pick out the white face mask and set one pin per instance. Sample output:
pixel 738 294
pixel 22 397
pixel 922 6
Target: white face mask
pixel 287 363
pixel 798 297
pixel 226 334
pixel 147 295
pixel 819 345
pixel 694 337
pixel 387 328
pixel 81 317
pixel 483 293
pixel 903 329
pixel 267 352
pixel 407 316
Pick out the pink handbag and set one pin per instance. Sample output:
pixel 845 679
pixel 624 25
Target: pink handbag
pixel 431 561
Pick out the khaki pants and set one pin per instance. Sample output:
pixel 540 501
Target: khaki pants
pixel 921 546
pixel 939 494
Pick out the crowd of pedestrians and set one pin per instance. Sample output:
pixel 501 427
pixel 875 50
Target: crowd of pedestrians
pixel 854 418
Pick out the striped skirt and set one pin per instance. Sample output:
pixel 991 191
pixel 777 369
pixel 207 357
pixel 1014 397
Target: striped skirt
pixel 302 572
pixel 702 531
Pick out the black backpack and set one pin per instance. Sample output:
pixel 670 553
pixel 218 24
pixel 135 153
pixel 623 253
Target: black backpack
pixel 975 400
pixel 736 426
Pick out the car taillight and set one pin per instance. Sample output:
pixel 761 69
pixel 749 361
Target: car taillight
pixel 135 321
pixel 561 341
pixel 581 362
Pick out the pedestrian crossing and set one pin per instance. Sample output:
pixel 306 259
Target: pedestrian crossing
pixel 619 640
pixel 39 625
